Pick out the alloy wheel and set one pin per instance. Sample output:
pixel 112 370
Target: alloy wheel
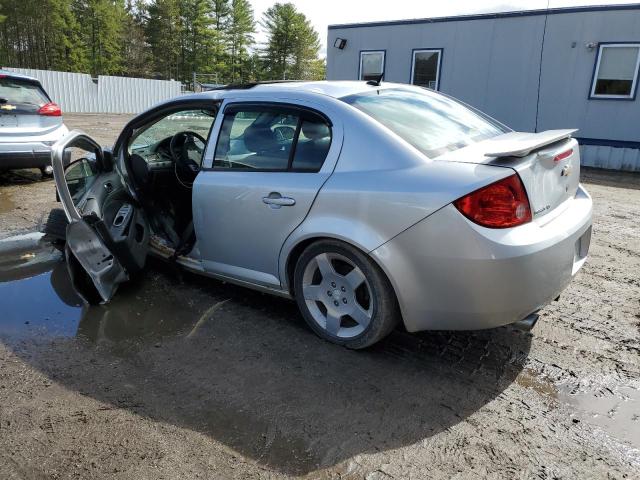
pixel 337 295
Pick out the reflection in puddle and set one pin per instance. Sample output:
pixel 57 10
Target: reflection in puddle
pixel 38 301
pixel 614 408
pixel 42 305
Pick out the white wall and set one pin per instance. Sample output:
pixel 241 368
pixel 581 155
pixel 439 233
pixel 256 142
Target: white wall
pixel 78 93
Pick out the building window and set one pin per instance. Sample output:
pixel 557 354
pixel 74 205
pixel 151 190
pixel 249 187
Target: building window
pixel 425 68
pixel 371 64
pixel 616 71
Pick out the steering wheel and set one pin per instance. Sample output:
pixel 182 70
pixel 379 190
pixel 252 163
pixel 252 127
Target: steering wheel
pixel 179 147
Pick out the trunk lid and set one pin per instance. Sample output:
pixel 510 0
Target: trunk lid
pixel 548 164
pixel 20 100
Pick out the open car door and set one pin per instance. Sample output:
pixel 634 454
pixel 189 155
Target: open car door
pixel 107 239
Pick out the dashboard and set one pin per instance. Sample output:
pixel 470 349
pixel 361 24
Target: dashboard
pixel 158 155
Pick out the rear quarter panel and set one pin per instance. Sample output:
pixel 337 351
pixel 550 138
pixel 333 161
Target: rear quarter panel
pixel 381 186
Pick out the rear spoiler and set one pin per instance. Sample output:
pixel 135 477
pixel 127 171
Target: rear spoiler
pixel 521 144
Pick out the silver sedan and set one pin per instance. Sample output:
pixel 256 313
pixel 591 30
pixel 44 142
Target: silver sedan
pixel 369 204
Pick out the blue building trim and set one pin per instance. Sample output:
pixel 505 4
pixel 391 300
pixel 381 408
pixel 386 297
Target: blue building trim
pixel 375 50
pixel 603 142
pixel 490 16
pixel 440 55
pixel 593 74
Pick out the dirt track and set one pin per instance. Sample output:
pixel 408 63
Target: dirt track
pixel 182 377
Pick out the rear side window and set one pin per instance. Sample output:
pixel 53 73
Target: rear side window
pixel 312 146
pixel 431 122
pixel 14 91
pixel 271 139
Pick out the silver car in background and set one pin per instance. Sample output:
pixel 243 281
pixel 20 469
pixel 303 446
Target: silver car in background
pixel 30 123
pixel 370 204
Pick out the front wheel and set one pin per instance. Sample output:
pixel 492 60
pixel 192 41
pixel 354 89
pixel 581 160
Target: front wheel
pixel 344 297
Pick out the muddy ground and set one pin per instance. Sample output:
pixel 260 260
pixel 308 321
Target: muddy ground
pixel 184 377
pixel 26 198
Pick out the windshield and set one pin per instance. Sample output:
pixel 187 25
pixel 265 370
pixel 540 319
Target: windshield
pixel 431 122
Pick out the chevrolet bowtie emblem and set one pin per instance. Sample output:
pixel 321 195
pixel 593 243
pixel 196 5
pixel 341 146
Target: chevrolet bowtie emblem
pixel 7 107
pixel 566 171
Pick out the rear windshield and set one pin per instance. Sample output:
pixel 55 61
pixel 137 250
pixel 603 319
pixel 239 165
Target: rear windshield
pixel 431 122
pixel 18 91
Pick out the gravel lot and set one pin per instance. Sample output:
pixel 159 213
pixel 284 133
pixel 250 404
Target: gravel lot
pixel 184 377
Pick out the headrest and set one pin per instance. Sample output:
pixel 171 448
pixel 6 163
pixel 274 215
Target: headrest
pixel 315 130
pixel 260 138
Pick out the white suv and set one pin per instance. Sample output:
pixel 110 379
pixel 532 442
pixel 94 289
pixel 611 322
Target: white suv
pixel 29 123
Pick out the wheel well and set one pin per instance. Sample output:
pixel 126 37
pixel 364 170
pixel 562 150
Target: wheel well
pixel 295 254
pixel 300 247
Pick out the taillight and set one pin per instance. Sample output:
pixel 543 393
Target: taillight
pixel 50 110
pixel 502 204
pixel 563 155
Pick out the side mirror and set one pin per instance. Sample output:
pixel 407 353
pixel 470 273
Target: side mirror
pixel 79 176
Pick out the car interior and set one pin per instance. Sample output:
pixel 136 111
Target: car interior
pixel 164 159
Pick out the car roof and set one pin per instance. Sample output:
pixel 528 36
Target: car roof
pixel 334 89
pixel 19 76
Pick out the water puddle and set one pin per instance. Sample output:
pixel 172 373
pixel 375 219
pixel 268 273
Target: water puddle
pixel 612 407
pixel 615 409
pixel 37 300
pixel 43 304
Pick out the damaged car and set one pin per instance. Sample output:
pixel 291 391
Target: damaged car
pixel 370 204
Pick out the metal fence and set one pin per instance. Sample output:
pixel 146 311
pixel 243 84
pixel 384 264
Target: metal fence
pixel 79 93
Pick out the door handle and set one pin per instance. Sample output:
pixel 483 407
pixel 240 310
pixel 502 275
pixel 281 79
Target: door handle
pixel 275 200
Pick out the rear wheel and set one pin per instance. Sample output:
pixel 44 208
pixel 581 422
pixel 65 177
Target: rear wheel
pixel 46 172
pixel 344 297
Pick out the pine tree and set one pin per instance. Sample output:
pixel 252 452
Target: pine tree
pixel 40 34
pixel 293 44
pixel 220 11
pixel 198 35
pixel 102 34
pixel 240 37
pixel 136 52
pixel 164 31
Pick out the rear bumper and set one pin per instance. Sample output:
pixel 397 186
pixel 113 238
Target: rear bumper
pixel 33 159
pixel 31 151
pixel 451 274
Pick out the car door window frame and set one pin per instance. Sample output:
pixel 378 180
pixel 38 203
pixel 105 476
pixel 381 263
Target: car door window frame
pixel 302 112
pixel 120 148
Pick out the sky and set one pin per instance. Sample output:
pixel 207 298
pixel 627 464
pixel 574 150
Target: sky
pixel 329 12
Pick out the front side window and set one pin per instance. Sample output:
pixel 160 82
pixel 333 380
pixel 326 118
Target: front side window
pixel 371 65
pixel 616 71
pixel 431 122
pixel 425 68
pixel 271 139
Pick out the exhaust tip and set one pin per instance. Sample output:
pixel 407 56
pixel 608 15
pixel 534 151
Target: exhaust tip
pixel 527 323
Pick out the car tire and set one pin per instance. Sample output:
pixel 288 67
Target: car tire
pixel 46 172
pixel 343 295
